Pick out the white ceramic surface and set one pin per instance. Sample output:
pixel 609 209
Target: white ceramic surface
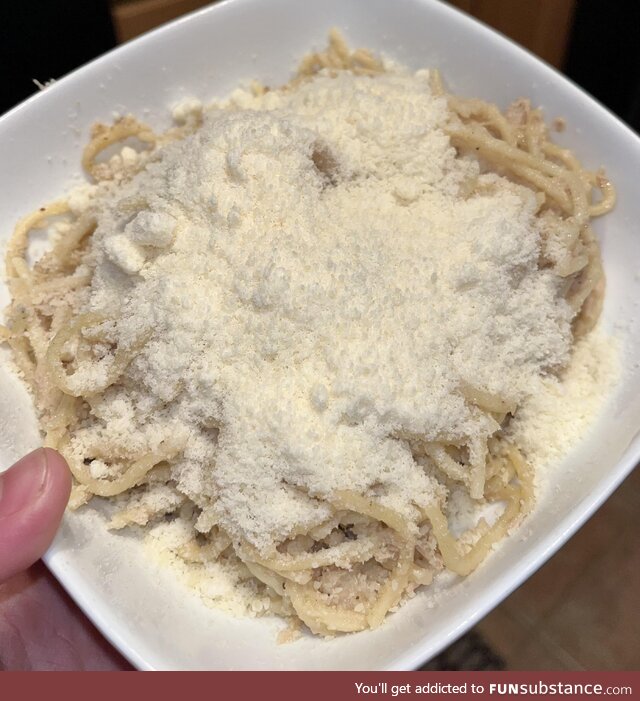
pixel 153 621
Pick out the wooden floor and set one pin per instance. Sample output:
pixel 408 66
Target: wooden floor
pixel 582 609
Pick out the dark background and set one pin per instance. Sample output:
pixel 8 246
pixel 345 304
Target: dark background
pixel 604 54
pixel 46 39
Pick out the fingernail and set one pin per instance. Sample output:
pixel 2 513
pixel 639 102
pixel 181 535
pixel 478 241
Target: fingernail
pixel 22 484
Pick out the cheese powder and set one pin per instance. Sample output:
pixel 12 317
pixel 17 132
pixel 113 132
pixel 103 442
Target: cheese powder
pixel 318 284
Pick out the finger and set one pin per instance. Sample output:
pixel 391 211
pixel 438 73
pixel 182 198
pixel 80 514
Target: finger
pixel 33 496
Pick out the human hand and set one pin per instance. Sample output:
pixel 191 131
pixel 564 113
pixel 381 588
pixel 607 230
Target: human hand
pixel 40 627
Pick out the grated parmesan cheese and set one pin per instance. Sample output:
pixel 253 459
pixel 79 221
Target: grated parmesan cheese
pixel 559 412
pixel 317 285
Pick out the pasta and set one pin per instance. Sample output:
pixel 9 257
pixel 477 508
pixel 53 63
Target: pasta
pixel 347 572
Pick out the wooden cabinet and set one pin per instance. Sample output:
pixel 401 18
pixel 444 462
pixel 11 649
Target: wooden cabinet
pixel 542 26
pixel 134 17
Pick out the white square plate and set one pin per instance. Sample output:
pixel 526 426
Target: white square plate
pixel 153 621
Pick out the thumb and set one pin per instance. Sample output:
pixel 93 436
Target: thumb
pixel 33 496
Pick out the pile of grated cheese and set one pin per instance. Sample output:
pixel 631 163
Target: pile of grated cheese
pixel 315 282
